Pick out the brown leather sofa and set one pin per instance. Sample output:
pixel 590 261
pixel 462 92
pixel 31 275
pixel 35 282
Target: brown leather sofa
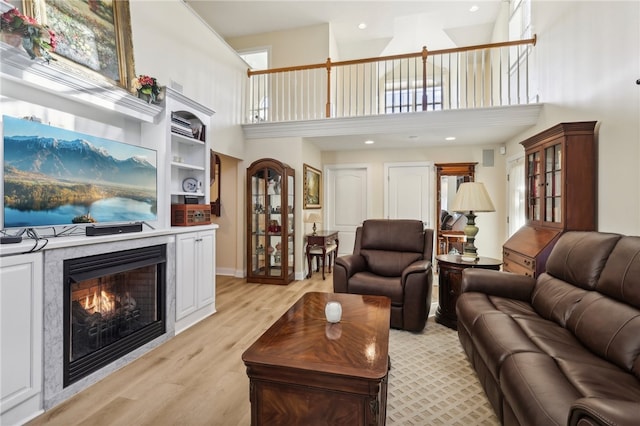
pixel 391 258
pixel 562 349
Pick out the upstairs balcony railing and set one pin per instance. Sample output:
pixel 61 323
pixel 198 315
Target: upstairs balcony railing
pixel 478 76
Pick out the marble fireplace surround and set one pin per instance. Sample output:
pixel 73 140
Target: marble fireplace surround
pixel 54 392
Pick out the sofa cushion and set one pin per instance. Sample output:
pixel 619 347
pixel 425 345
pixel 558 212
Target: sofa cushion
pixel 579 257
pixel 555 299
pixel 496 336
pixel 393 235
pixel 472 305
pixel 620 278
pixel 536 389
pixel 389 263
pixel 610 329
pixel 375 285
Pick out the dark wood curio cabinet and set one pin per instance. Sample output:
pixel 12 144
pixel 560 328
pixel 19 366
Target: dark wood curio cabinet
pixel 561 185
pixel 270 222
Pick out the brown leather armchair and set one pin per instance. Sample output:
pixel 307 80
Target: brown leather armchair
pixel 391 258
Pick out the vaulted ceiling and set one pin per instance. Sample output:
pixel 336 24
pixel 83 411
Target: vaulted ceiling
pixel 392 27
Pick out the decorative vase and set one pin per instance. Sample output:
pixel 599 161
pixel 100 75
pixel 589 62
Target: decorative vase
pixel 145 97
pixel 333 311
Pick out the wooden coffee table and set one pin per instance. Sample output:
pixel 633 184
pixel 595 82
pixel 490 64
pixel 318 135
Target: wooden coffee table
pixel 306 371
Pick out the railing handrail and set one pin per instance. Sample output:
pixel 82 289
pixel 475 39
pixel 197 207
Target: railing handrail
pixel 352 86
pixel 423 53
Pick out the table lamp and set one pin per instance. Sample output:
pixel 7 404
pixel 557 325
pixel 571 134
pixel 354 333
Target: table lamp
pixel 313 218
pixel 472 197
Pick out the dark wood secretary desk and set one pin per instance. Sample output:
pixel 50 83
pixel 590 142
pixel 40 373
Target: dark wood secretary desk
pixel 319 244
pixel 561 194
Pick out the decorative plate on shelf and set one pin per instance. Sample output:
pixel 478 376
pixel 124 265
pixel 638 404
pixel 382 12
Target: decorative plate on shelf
pixel 190 185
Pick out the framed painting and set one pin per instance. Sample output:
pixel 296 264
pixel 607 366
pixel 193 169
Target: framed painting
pixel 312 188
pixel 93 36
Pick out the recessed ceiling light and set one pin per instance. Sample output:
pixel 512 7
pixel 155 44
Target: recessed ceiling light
pixel 369 142
pixel 474 8
pixel 362 25
pixel 450 138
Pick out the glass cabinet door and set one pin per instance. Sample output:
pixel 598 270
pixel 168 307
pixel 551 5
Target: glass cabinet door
pixel 270 213
pixel 533 186
pixel 274 223
pixel 258 220
pixel 553 184
pixel 291 190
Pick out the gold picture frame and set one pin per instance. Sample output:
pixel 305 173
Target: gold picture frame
pixel 93 37
pixel 312 187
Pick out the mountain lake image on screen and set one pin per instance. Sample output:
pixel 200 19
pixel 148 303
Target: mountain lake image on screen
pixel 54 176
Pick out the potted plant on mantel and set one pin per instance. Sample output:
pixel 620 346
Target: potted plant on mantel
pixel 17 29
pixel 147 89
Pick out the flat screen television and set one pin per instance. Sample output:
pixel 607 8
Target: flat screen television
pixel 54 176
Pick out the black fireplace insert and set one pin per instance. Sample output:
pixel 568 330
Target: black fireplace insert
pixel 113 304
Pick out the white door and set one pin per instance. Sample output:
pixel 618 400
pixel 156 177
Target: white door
pixel 346 189
pixel 409 192
pixel 515 193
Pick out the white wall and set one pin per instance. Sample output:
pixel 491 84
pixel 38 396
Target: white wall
pixel 586 60
pixel 299 46
pixel 492 225
pixel 171 43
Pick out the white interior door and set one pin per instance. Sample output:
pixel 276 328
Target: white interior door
pixel 346 201
pixel 515 193
pixel 409 192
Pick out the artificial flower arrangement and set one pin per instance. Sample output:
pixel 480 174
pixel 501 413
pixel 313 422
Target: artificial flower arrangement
pixel 145 85
pixel 37 39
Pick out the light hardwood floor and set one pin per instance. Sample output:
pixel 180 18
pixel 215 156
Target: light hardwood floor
pixel 196 378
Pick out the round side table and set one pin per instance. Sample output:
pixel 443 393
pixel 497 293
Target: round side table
pixel 450 267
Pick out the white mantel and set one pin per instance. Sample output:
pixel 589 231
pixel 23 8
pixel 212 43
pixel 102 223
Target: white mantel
pixel 17 68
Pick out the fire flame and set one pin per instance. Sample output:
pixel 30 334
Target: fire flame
pixel 104 303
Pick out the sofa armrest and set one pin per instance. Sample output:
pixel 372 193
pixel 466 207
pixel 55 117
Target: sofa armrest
pixel 417 267
pixel 603 412
pixel 497 283
pixel 344 268
pixel 417 283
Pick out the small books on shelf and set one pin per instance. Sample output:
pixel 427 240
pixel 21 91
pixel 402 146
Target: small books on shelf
pixel 189 128
pixel 182 126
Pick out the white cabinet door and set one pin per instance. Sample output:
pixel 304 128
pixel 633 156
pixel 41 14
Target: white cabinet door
pixel 206 270
pixel 195 277
pixel 21 327
pixel 186 273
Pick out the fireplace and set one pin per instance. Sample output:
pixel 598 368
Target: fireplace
pixel 113 304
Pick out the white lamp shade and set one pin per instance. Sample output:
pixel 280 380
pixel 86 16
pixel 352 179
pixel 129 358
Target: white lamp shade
pixel 313 218
pixel 472 196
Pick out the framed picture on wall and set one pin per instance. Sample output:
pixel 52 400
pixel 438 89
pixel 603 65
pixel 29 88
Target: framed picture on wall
pixel 312 188
pixel 93 37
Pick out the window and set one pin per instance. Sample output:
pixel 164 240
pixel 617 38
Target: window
pixel 409 100
pixel 515 196
pixel 259 91
pixel 519 28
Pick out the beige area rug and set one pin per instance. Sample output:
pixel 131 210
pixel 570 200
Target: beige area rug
pixel 431 381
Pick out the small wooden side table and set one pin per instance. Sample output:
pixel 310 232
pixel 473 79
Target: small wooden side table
pixel 450 267
pixel 319 244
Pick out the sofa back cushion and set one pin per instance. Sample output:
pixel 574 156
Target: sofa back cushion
pixel 555 299
pixel 609 328
pixel 389 263
pixel 389 246
pixel 607 320
pixel 620 278
pixel 579 257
